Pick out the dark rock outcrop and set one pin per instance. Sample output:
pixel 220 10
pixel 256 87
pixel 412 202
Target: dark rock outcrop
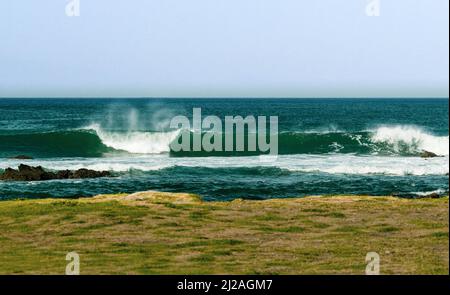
pixel 28 173
pixel 86 173
pixel 417 196
pixel 22 157
pixel 63 174
pixel 432 196
pixel 427 154
pixel 428 196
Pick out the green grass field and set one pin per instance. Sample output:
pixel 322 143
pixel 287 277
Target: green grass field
pixel 163 233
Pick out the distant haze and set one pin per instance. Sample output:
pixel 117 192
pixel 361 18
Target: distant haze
pixel 224 48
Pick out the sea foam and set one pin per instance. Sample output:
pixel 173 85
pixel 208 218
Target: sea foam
pixel 412 138
pixel 331 164
pixel 136 142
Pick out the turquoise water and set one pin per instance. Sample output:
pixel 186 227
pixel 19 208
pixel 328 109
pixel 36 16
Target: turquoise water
pixel 326 146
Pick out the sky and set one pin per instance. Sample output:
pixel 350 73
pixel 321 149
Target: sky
pixel 224 48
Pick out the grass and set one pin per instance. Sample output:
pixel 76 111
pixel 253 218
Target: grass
pixel 163 233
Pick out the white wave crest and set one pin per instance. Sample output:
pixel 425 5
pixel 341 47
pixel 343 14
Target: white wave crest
pixel 351 164
pixel 414 138
pixel 438 191
pixel 332 164
pixel 136 142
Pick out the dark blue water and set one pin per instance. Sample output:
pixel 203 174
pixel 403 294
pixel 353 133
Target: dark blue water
pixel 326 146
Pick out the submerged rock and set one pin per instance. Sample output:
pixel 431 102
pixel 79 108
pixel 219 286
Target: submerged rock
pixel 418 196
pixel 63 174
pixel 29 173
pixel 429 196
pixel 427 154
pixel 432 196
pixel 22 157
pixel 86 173
pixel 25 173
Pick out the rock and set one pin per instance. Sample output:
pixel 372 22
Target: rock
pixel 10 174
pixel 427 154
pixel 63 174
pixel 429 196
pixel 417 196
pixel 22 157
pixel 35 173
pixel 28 173
pixel 86 173
pixel 432 196
pixel 25 173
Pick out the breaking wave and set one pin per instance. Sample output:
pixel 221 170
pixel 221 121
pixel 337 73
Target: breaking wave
pixel 94 141
pixel 136 142
pixel 287 164
pixel 411 139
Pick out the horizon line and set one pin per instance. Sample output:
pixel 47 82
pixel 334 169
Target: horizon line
pixel 223 97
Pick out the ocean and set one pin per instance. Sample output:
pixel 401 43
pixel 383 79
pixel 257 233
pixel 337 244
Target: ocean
pixel 326 147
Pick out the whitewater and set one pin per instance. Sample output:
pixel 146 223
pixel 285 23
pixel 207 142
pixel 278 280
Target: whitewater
pixel 333 164
pixel 397 139
pixel 330 146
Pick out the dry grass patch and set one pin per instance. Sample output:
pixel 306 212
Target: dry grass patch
pixel 165 233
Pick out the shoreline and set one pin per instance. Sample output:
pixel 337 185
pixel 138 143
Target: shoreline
pixel 170 233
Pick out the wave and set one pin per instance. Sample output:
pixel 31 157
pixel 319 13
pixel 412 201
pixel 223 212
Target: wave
pixel 288 164
pixel 385 140
pixel 94 141
pixel 440 192
pixel 411 140
pixel 91 141
pixel 72 143
pixel 136 142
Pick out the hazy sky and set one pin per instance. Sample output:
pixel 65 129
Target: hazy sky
pixel 224 48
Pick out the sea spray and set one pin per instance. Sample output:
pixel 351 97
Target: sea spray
pixel 411 139
pixel 332 146
pixel 136 142
pixel 94 140
pixel 330 164
pixel 237 133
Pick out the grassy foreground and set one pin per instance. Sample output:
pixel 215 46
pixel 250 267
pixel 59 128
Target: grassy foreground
pixel 163 233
